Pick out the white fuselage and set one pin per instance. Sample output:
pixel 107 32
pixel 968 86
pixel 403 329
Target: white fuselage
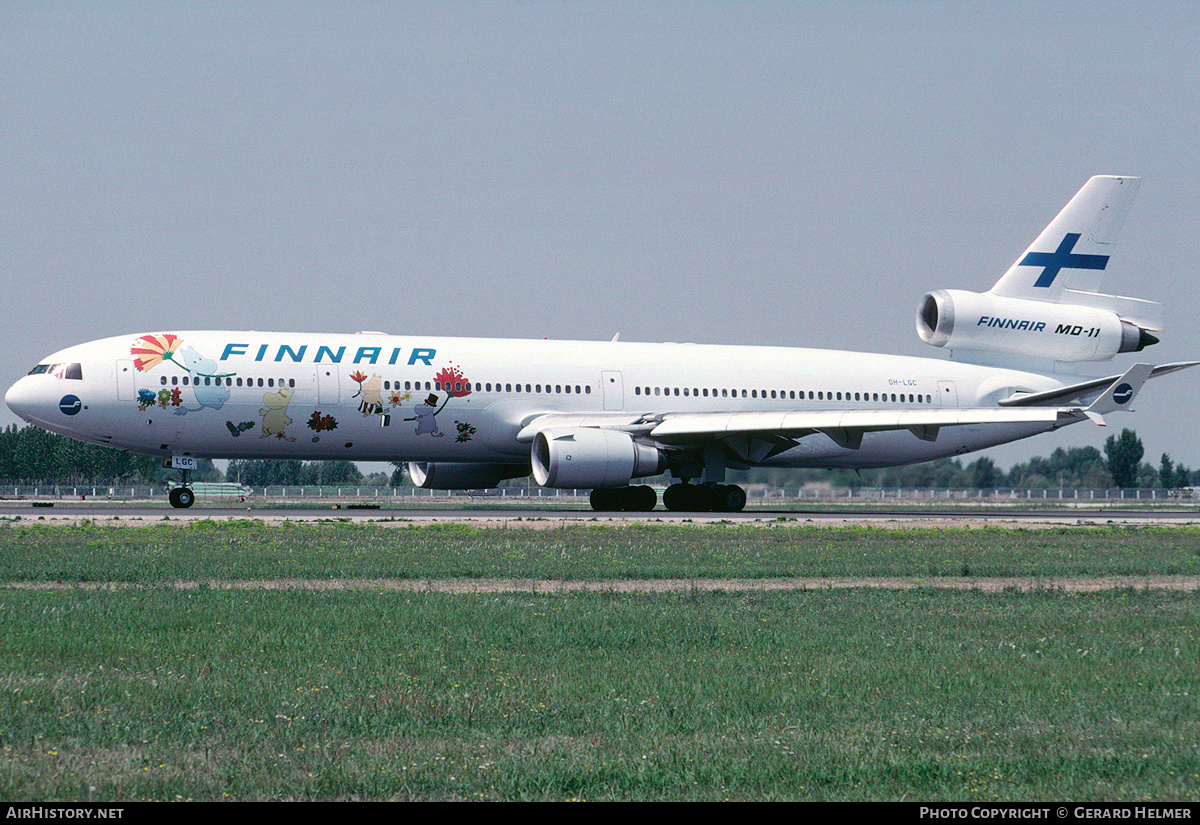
pixel 377 397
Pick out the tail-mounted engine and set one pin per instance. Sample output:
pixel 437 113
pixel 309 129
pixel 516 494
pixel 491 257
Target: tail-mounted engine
pixel 984 322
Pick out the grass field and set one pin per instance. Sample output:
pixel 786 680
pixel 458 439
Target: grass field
pixel 155 691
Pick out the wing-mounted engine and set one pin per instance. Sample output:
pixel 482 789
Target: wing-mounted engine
pixel 442 475
pixel 592 457
pixel 984 322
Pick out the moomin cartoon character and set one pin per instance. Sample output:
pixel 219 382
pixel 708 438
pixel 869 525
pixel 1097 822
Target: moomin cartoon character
pixel 210 389
pixel 368 390
pixel 274 417
pixel 426 417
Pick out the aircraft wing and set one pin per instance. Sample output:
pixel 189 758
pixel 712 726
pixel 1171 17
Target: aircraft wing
pixel 844 427
pixel 636 423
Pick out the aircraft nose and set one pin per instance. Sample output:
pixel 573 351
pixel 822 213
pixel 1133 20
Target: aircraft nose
pixel 27 398
pixel 20 399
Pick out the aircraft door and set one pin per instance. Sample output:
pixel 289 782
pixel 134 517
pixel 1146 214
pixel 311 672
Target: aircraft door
pixel 614 390
pixel 328 388
pixel 126 391
pixel 948 393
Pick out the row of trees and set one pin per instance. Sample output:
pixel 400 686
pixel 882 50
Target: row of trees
pixel 31 455
pixel 1120 465
pixel 271 473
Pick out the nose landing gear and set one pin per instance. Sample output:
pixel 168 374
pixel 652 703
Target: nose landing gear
pixel 182 496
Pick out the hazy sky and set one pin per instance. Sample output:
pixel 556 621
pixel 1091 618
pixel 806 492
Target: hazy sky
pixel 765 173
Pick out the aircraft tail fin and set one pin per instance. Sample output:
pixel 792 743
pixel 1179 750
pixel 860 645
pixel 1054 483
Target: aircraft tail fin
pixel 1066 264
pixel 1046 307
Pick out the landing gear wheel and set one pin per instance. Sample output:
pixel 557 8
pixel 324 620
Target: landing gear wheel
pixel 705 498
pixel 603 499
pixel 675 498
pixel 640 499
pixel 686 498
pixel 729 498
pixel 645 499
pixel 182 497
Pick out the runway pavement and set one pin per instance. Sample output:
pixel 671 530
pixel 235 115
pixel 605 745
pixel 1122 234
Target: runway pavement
pixel 65 511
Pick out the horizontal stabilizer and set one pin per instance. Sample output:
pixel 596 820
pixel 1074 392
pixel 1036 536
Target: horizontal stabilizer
pixel 1144 314
pixel 1076 392
pixel 1120 393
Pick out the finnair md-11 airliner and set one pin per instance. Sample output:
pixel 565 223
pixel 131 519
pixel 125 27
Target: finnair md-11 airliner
pixel 467 413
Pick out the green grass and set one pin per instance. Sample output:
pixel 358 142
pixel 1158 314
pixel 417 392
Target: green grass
pixel 154 692
pixel 250 550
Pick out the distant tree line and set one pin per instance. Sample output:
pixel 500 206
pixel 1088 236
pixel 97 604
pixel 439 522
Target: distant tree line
pixel 1120 465
pixel 31 455
pixel 279 473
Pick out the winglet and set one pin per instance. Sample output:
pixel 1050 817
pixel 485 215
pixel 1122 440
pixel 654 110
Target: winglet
pixel 1120 393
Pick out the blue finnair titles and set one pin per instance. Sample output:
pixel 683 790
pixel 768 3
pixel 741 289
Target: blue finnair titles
pixel 1011 323
pixel 325 353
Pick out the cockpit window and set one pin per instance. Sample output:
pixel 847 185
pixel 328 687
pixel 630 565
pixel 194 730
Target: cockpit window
pixel 71 372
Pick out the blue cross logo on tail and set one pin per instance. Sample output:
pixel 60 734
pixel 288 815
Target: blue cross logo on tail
pixel 1062 258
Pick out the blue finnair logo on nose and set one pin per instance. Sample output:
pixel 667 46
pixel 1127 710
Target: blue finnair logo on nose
pixel 70 405
pixel 1123 394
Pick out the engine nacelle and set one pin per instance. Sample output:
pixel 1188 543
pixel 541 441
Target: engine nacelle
pixel 444 475
pixel 984 322
pixel 587 457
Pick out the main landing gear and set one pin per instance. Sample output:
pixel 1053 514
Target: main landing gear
pixel 641 499
pixel 695 498
pixel 711 495
pixel 702 498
